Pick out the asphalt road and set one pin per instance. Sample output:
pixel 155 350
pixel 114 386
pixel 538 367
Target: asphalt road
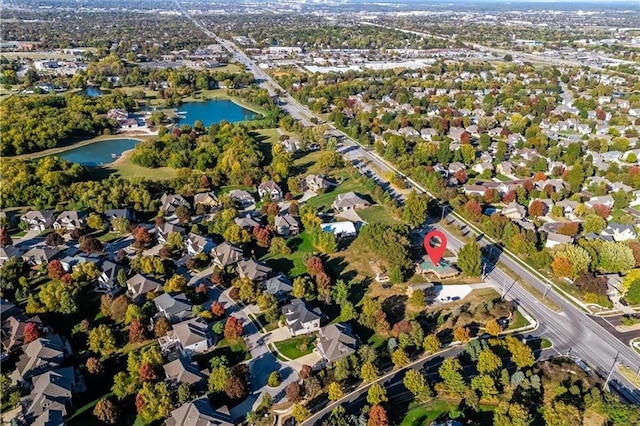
pixel 571 330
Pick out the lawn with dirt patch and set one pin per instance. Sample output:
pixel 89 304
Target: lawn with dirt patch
pixel 296 346
pixel 378 214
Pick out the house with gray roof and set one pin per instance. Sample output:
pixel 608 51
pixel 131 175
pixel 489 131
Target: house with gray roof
pixel 271 189
pixel 50 417
pixel 242 198
pixel 52 390
pixel 336 341
pixel 41 355
pixel 199 412
pixel 286 225
pixel 349 201
pixel 300 319
pixel 196 244
pixel 70 220
pixel 183 370
pixel 138 286
pixel 553 239
pixel 279 286
pixel 620 232
pixel 188 337
pixel 13 329
pixel 126 213
pixel 254 270
pixel 226 254
pixel 246 222
pixel 316 183
pixel 162 231
pixel 175 308
pixel 40 255
pixel 170 202
pixel 208 199
pixel 108 279
pixel 38 219
pixel 7 252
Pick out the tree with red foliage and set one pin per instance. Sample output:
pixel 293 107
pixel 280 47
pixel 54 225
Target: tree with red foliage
pixel 5 239
pixel 602 210
pixel 539 176
pixel 217 276
pixel 235 388
pixel 461 176
pixel 601 114
pixel 262 235
pixel 569 228
pixel 528 185
pixel 378 416
pixel 491 196
pixel 217 309
pixel 509 197
pixel 233 329
pixel 94 366
pixel 315 266
pixel 31 332
pixel 137 331
pixel 305 372
pixel 146 373
pixel 635 248
pixel 202 289
pixel 273 209
pixel 67 279
pixel 473 209
pixel 401 327
pixel 537 208
pixel 55 269
pixel 204 181
pixel 465 137
pixel 382 324
pixel 588 282
pixel 234 293
pixel 142 237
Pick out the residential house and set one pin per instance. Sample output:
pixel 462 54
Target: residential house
pixel 13 329
pixel 271 189
pixel 456 133
pixel 505 168
pixel 242 198
pixel 524 224
pixel 480 168
pixel 336 341
pixel 170 202
pixel 514 211
pixel 138 286
pixel 38 219
pixel 162 231
pixel 52 390
pixel 175 308
pixel 279 286
pixel 343 229
pixel 316 183
pixel 291 145
pixel 606 200
pixel 7 252
pixel 208 199
pixel 620 232
pixel 8 309
pixel 409 132
pixel 108 278
pixel 126 213
pixel 196 244
pixel 190 337
pixel 300 319
pixel 247 222
pixel 553 239
pixel 286 225
pixel 70 220
pixel 199 412
pixel 226 254
pixel 456 167
pixel 255 271
pixel 183 370
pixel 50 417
pixel 41 355
pixel 568 207
pixel 349 201
pixel 428 134
pixel 40 255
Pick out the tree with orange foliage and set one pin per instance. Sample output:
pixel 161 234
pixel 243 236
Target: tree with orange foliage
pixel 147 373
pixel 55 269
pixel 473 210
pixel 461 176
pixel 602 210
pixel 509 197
pixel 537 208
pixel 569 228
pixel 31 332
pixel 492 327
pixel 137 331
pixel 539 176
pixel 462 334
pixel 217 309
pixel 233 329
pixel 378 416
pixel 562 267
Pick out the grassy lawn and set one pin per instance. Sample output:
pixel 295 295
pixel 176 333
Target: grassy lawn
pixel 125 168
pixel 425 414
pixel 87 407
pixel 518 322
pixel 545 343
pixel 378 214
pixel 235 352
pixel 291 347
pixel 502 178
pixel 294 263
pixel 629 375
pixel 323 201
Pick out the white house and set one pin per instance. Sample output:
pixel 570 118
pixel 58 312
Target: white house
pixel 271 188
pixel 343 229
pixel 620 232
pixel 192 336
pixel 300 319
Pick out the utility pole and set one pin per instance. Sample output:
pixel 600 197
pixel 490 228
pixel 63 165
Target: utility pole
pixel 606 382
pixel 484 270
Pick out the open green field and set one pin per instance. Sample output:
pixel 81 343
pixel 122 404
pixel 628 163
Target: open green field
pixel 291 348
pixel 378 214
pixel 293 263
pixel 425 414
pixel 125 168
pixel 518 322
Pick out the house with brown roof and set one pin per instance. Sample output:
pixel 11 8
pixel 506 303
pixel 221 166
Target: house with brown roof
pixel 208 199
pixel 138 286
pixel 226 254
pixel 70 220
pixel 41 355
pixel 316 183
pixel 170 202
pixel 254 270
pixel 270 188
pixel 286 225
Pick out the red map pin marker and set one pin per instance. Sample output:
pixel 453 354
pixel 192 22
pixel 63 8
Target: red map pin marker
pixel 435 253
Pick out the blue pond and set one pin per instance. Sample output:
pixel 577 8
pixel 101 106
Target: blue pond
pixel 213 111
pixel 93 91
pixel 98 153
